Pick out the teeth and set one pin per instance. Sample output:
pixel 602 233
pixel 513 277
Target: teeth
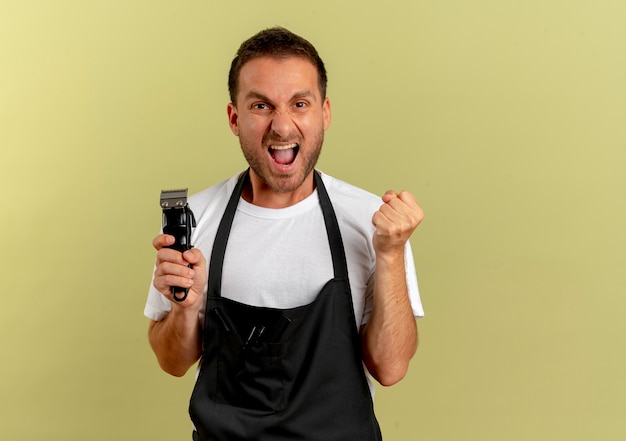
pixel 284 147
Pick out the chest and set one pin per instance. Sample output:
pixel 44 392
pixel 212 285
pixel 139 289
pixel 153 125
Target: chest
pixel 278 263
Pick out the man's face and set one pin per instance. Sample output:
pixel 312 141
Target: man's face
pixel 280 119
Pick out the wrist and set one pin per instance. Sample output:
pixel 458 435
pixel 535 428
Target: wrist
pixel 185 310
pixel 390 255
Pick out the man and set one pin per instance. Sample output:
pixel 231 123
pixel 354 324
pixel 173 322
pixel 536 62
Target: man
pixel 310 279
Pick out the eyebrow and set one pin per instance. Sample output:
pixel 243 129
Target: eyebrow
pixel 253 94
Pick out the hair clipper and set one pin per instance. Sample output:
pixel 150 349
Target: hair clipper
pixel 178 221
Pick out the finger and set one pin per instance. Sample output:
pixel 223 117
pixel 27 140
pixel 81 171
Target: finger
pixel 389 195
pixel 194 257
pixel 379 219
pixel 385 213
pixel 392 210
pixel 170 255
pixel 406 205
pixel 164 285
pixel 409 199
pixel 174 269
pixel 163 240
pixel 170 274
pixel 165 282
pixel 413 209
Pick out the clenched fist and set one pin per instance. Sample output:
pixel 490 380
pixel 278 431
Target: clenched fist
pixel 395 221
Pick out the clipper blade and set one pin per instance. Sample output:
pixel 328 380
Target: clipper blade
pixel 173 198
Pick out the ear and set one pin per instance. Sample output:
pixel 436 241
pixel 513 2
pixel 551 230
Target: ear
pixel 326 113
pixel 233 118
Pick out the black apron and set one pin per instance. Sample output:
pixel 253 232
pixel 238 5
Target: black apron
pixel 282 374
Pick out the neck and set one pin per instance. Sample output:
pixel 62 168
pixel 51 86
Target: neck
pixel 257 192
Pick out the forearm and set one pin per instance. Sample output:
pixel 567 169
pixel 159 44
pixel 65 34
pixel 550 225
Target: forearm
pixel 176 341
pixel 390 337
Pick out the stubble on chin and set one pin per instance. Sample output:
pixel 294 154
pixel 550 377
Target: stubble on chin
pixel 283 183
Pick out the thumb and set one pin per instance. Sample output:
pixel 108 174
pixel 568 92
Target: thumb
pixel 389 195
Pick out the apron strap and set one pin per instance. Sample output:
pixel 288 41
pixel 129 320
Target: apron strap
pixel 340 266
pixel 221 238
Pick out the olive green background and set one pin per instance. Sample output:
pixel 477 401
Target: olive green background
pixel 506 119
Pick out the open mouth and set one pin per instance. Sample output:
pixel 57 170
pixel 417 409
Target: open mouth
pixel 284 154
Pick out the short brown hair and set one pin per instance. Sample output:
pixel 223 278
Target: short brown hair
pixel 275 42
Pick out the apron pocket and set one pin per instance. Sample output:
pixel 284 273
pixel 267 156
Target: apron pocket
pixel 250 377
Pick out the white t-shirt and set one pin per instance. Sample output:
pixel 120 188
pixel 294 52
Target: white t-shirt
pixel 280 258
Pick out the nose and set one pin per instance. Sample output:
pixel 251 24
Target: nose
pixel 282 124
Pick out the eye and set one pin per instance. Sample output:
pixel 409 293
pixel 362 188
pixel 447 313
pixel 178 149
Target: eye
pixel 260 106
pixel 301 104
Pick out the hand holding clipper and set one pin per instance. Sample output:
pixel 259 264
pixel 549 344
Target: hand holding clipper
pixel 178 221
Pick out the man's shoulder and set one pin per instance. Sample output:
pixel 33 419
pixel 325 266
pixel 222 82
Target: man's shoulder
pixel 345 194
pixel 214 195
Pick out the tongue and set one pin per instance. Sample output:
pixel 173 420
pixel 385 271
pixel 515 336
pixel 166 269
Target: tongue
pixel 283 156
